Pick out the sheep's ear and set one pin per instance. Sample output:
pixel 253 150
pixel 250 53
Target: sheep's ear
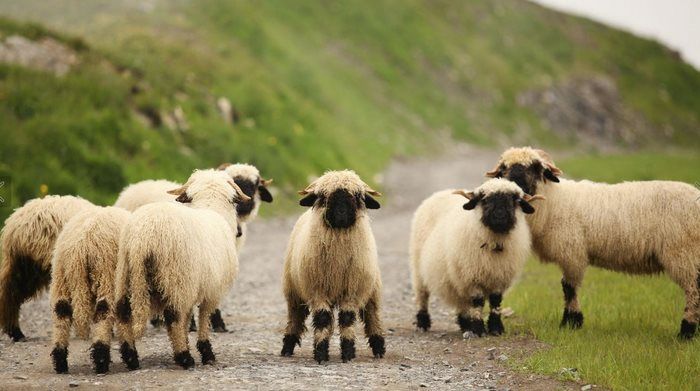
pixel 308 200
pixel 548 174
pixel 496 172
pixel 265 194
pixel 370 202
pixel 223 166
pixel 471 204
pixel 525 206
pixel 183 198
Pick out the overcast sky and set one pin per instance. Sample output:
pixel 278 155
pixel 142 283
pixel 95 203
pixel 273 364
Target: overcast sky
pixel 676 23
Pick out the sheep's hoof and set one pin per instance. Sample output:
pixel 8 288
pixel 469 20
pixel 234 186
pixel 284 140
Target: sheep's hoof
pixel 495 325
pixel 423 320
pixel 60 359
pixel 288 343
pixel 205 352
pixel 572 319
pixel 184 359
pixel 217 322
pixel 100 357
pixel 376 342
pixel 321 351
pixel 347 349
pixel 130 356
pixel 17 335
pixel 687 330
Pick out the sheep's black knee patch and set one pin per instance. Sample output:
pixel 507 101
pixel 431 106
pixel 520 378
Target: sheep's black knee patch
pixel 184 359
pixel 170 316
pixel 321 351
pixel 129 356
pixel 347 349
pixel 60 359
pixel 205 351
pixel 101 310
pixel 16 334
pixel 63 309
pixel 569 291
pixel 494 324
pixel 124 310
pixel 322 319
pixel 376 342
pixel 100 357
pixel 478 301
pixel 573 319
pixel 288 343
pixel 423 320
pixel 495 300
pixel 217 322
pixel 346 318
pixel 687 330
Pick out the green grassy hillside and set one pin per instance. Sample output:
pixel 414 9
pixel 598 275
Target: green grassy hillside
pixel 315 85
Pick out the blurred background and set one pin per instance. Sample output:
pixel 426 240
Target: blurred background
pixel 97 94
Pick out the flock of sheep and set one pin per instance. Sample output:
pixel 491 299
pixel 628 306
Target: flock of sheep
pixel 165 249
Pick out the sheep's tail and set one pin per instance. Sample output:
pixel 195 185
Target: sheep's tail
pixel 131 291
pixel 81 299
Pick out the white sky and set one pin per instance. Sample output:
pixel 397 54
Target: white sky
pixel 675 23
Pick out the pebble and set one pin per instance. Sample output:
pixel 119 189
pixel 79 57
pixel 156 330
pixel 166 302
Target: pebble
pixel 491 353
pixel 586 387
pixel 502 357
pixel 20 377
pixel 73 384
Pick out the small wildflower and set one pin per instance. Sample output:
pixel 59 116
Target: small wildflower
pixel 272 140
pixel 44 189
pixel 298 129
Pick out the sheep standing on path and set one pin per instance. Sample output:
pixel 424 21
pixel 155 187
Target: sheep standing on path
pixel 173 257
pixel 466 252
pixel 82 288
pixel 331 262
pixel 633 227
pixel 28 239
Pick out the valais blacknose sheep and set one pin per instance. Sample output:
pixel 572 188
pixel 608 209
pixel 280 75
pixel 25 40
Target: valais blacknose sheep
pixel 465 252
pixel 633 227
pixel 28 239
pixel 145 192
pixel 173 257
pixel 82 283
pixel 331 262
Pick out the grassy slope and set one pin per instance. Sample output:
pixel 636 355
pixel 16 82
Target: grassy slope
pixel 629 337
pixel 319 85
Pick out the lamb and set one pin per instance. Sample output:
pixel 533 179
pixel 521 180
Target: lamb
pixel 82 289
pixel 467 256
pixel 173 257
pixel 633 227
pixel 331 262
pixel 28 239
pixel 246 176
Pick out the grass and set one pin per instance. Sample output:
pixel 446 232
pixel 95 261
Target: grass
pixel 628 341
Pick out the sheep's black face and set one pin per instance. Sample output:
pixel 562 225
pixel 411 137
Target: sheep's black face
pixel 498 212
pixel 526 177
pixel 248 187
pixel 341 209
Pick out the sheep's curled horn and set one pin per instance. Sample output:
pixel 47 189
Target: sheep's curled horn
pixel 310 198
pixel 181 193
pixel 474 199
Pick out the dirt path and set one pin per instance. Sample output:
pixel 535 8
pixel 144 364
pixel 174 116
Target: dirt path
pixel 248 356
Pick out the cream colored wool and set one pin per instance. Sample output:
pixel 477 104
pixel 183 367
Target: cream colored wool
pixel 632 227
pixel 452 252
pixel 28 239
pixel 145 192
pixel 328 268
pixel 84 261
pixel 183 252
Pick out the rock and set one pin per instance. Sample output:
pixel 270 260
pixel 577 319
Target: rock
pixel 491 352
pixel 586 387
pixel 507 312
pixel 422 385
pixel 20 377
pixel 225 109
pixel 46 54
pixel 255 350
pixel 469 335
pixel 73 384
pixel 502 357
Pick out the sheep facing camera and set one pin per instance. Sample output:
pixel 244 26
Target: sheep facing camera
pixel 5 191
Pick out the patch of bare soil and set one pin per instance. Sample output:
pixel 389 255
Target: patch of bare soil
pixel 248 356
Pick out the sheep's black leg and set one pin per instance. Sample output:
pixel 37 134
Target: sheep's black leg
pixel 495 325
pixel 127 349
pixel 373 326
pixel 471 320
pixel 203 344
pixel 689 324
pixel 62 320
pixel 573 317
pixel 102 335
pixel 346 321
pixel 296 316
pixel 323 329
pixel 217 322
pixel 21 277
pixel 176 324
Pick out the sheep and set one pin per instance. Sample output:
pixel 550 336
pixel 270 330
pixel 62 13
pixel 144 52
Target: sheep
pixel 173 257
pixel 246 176
pixel 82 288
pixel 331 262
pixel 641 227
pixel 467 256
pixel 28 239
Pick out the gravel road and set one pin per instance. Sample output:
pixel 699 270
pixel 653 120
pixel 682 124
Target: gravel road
pixel 248 356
